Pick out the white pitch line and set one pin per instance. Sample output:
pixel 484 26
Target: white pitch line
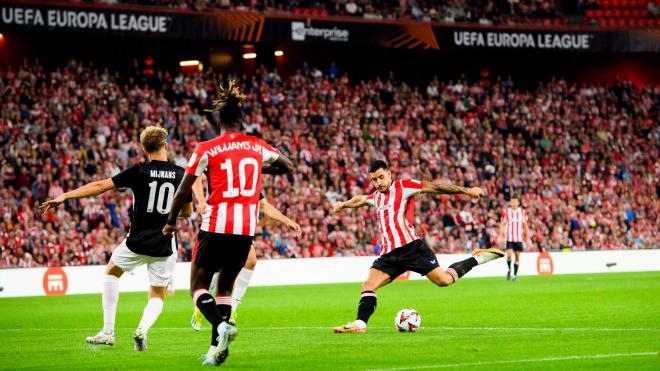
pixel 522 329
pixel 533 360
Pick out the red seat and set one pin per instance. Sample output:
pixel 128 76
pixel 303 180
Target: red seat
pixel 626 13
pixel 645 13
pixel 598 13
pixel 621 22
pixel 635 13
pixel 324 12
pixel 589 14
pixel 624 4
pixel 640 22
pixel 297 11
pixel 605 4
pixel 615 4
pixel 608 13
pixel 611 22
pixel 616 13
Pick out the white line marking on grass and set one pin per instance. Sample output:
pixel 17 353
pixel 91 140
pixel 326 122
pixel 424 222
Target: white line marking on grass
pixel 549 359
pixel 522 329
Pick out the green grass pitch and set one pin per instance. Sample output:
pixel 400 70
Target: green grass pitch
pixel 602 321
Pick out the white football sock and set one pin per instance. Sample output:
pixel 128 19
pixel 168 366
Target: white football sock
pixel 359 323
pixel 213 288
pixel 241 286
pixel 150 315
pixel 480 259
pixel 109 297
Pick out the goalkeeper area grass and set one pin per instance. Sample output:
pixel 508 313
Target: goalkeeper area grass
pixel 597 321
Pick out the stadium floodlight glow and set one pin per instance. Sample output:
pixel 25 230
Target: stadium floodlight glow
pixel 249 55
pixel 189 63
pixel 279 53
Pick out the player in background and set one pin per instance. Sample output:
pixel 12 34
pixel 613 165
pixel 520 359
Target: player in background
pixel 402 249
pixel 235 163
pixel 153 184
pixel 245 275
pixel 513 231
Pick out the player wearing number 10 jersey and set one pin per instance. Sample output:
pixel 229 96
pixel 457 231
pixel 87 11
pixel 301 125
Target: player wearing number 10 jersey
pixel 153 185
pixel 234 162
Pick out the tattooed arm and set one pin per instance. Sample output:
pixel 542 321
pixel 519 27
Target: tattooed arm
pixel 451 189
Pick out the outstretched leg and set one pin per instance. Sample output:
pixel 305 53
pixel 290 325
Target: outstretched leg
pixel 459 269
pixel 368 302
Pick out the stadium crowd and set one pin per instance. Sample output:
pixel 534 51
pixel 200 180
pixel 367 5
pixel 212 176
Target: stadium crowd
pixel 581 158
pixel 480 11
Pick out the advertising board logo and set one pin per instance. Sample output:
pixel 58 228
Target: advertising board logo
pixel 55 281
pixel 298 31
pixel 544 264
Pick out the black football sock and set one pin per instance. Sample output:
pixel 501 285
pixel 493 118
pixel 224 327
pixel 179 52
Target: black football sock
pixel 515 269
pixel 459 269
pixel 508 265
pixel 367 306
pixel 206 305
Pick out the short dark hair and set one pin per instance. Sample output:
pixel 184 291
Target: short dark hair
pixel 378 164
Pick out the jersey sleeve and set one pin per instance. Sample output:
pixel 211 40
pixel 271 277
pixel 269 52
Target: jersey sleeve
pixel 371 199
pixel 269 153
pixel 411 187
pixel 127 178
pixel 198 162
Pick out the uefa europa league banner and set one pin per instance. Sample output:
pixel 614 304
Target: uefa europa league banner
pixel 255 28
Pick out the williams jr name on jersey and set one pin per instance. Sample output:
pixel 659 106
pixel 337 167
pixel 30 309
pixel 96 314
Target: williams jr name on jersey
pixel 153 184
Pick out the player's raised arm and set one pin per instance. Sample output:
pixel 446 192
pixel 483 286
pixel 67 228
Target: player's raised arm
pixel 451 189
pixel 88 190
pixel 271 212
pixel 353 203
pixel 182 194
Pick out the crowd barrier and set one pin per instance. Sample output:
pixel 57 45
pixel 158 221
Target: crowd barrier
pixel 87 279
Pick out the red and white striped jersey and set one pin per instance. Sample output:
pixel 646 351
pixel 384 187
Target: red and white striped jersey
pixel 513 224
pixel 394 211
pixel 234 161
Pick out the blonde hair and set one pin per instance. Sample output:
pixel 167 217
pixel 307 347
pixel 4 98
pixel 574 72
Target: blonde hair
pixel 153 138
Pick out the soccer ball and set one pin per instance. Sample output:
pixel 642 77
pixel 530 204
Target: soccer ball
pixel 407 320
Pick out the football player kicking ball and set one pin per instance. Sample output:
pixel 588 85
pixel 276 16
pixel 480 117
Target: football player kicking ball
pixel 153 184
pixel 402 249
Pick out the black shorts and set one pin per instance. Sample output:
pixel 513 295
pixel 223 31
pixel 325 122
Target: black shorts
pixel 415 256
pixel 215 251
pixel 516 246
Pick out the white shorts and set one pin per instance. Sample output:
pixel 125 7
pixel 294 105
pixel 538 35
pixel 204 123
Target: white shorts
pixel 160 268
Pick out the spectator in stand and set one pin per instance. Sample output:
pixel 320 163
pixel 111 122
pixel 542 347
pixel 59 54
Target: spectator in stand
pixel 582 157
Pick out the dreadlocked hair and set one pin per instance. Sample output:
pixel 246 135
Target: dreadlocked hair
pixel 228 104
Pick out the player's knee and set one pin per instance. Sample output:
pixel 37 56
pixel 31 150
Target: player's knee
pixel 369 286
pixel 113 270
pixel 443 280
